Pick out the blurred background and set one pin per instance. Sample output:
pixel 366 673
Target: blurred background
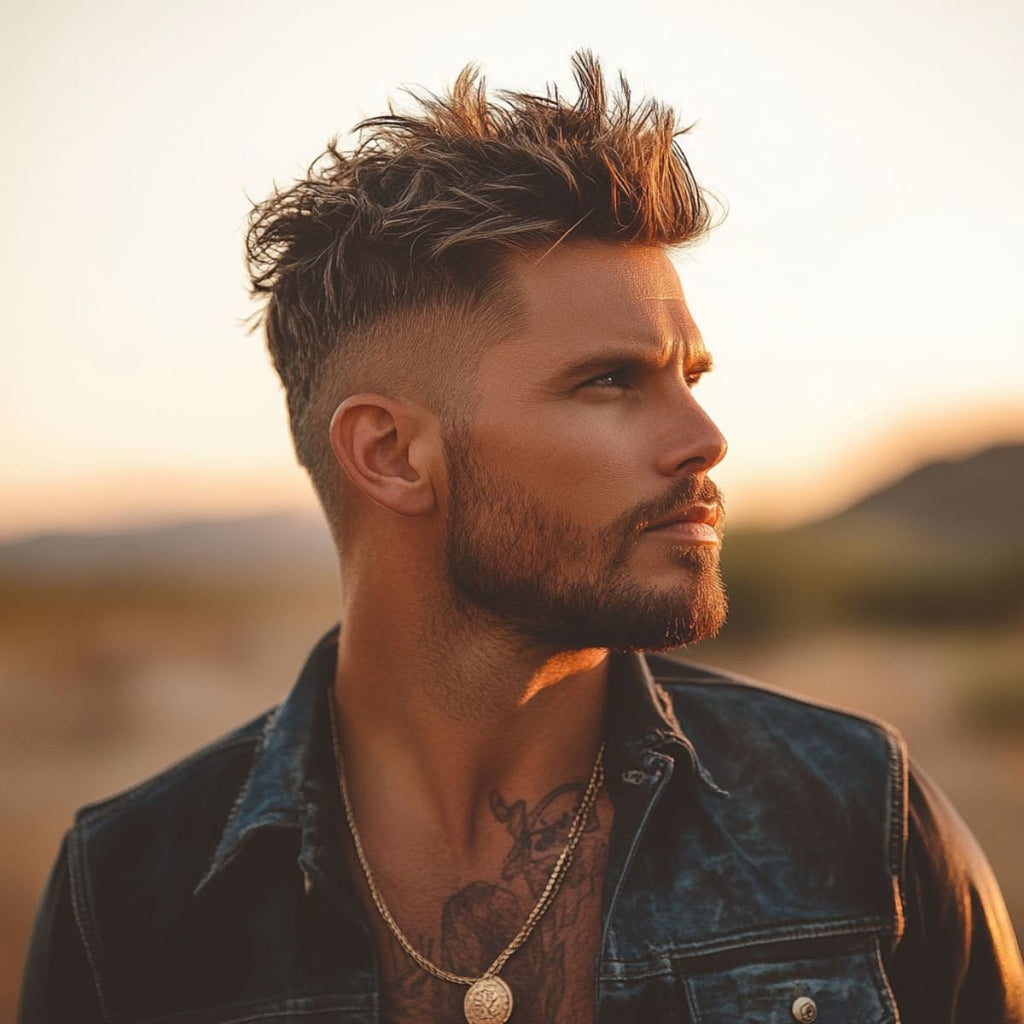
pixel 162 566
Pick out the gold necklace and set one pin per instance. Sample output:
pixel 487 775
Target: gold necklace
pixel 488 999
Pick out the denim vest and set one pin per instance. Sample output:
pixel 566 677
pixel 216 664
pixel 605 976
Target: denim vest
pixel 753 870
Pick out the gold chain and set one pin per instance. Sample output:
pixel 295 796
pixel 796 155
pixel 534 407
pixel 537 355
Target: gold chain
pixel 547 897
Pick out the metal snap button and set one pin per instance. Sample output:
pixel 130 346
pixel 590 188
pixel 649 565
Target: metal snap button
pixel 633 777
pixel 805 1010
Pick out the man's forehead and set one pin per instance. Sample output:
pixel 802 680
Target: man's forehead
pixel 641 270
pixel 629 292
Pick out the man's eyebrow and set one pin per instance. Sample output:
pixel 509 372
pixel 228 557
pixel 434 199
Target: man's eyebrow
pixel 697 359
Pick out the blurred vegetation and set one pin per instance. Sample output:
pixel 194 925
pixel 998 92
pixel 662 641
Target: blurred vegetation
pixel 992 704
pixel 941 548
pixel 793 581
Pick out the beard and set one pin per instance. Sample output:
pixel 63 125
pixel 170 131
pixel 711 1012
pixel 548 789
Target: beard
pixel 540 574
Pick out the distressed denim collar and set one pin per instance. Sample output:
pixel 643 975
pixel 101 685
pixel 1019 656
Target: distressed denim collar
pixel 640 722
pixel 292 782
pixel 287 786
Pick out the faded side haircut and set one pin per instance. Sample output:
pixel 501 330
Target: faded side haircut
pixel 383 268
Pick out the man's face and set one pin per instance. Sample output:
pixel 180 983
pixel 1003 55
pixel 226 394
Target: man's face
pixel 580 514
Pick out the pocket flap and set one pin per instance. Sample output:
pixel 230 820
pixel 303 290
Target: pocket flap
pixel 846 989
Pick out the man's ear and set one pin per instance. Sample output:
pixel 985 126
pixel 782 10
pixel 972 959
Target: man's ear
pixel 386 447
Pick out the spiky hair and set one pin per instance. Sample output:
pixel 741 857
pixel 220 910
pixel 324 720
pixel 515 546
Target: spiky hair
pixel 422 215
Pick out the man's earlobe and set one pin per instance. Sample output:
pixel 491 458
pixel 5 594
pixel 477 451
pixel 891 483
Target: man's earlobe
pixel 384 446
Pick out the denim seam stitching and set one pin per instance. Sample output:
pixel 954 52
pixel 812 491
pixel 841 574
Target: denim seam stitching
pixel 896 764
pixel 879 987
pixel 691 1004
pixel 897 823
pixel 261 1014
pixel 83 918
pixel 281 1013
pixel 692 1000
pixel 886 986
pixel 855 926
pixel 668 764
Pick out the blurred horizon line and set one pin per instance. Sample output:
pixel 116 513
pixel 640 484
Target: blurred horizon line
pixel 136 498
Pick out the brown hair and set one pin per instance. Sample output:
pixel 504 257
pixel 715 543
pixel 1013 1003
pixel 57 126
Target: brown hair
pixel 380 249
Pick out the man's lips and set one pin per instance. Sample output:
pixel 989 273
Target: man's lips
pixel 695 523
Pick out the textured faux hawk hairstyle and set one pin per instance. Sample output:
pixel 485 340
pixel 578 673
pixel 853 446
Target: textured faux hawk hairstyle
pixel 420 219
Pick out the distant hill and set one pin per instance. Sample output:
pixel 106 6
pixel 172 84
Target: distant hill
pixel 977 501
pixel 289 544
pixel 941 547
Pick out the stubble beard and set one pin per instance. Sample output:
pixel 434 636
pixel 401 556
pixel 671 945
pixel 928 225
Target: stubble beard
pixel 541 576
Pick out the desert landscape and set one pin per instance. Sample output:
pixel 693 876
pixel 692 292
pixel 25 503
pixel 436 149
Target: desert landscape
pixel 121 652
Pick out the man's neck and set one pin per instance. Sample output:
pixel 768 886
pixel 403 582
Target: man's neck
pixel 438 713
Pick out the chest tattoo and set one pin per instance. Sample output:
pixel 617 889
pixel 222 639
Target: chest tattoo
pixel 552 973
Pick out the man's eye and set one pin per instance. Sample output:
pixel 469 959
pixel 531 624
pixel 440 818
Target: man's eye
pixel 612 379
pixel 693 379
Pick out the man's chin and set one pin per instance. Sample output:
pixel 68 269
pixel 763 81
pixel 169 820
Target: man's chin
pixel 640 619
pixel 678 613
pixel 697 625
pixel 693 631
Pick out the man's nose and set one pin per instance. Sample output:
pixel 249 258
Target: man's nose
pixel 693 443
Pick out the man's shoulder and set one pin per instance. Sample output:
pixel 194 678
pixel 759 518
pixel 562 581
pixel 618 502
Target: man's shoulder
pixel 190 799
pixel 780 818
pixel 692 686
pixel 750 734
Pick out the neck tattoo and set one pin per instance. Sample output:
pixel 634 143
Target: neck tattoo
pixel 488 997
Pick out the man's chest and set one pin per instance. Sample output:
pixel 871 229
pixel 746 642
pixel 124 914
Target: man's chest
pixel 547 968
pixel 549 977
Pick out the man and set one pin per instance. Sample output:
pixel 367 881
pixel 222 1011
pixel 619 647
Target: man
pixel 479 803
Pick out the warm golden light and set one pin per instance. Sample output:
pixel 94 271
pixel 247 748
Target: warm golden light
pixel 861 302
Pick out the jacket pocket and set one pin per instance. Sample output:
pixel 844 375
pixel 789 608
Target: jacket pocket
pixel 845 989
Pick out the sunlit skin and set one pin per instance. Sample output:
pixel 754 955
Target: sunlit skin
pixel 601 391
pixel 589 412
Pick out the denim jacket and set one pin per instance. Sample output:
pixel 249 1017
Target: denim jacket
pixel 770 861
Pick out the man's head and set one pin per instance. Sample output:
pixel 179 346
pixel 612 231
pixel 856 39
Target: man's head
pixel 386 268
pixel 471 262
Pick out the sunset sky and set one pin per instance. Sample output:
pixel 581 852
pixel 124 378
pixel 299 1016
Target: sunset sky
pixel 863 299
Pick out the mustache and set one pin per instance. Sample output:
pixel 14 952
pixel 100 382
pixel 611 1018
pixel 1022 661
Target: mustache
pixel 687 491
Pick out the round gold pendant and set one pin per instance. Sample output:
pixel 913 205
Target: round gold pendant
pixel 488 1001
